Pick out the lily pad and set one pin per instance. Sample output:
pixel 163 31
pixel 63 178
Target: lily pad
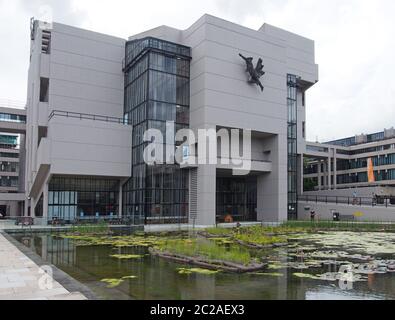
pixel 129 277
pixel 127 256
pixel 112 283
pixel 196 270
pixel 304 275
pixel 269 274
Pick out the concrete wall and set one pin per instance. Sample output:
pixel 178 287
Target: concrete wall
pixel 85 76
pixel 86 72
pixel 88 147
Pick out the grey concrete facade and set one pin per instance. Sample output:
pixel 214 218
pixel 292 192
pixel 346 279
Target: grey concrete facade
pixel 325 162
pixel 76 83
pixel 12 156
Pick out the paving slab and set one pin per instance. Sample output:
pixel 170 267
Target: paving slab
pixel 22 279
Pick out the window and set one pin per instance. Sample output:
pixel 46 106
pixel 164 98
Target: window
pixel 156 91
pixel 44 89
pixel 304 130
pixel 70 197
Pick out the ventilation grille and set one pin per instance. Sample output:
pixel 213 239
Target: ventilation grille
pixel 193 194
pixel 46 42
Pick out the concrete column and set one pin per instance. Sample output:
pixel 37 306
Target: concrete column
pixel 272 191
pixel 45 202
pixel 120 200
pixel 329 172
pixel 300 176
pixel 319 175
pixel 206 178
pixel 206 195
pixel 334 169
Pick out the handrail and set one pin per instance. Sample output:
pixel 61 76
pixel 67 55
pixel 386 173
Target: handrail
pixel 242 159
pixel 359 201
pixel 86 116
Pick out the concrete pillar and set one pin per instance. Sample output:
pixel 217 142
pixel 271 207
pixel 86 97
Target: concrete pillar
pixel 120 200
pixel 334 170
pixel 206 181
pixel 45 203
pixel 319 175
pixel 329 172
pixel 206 195
pixel 300 176
pixel 272 190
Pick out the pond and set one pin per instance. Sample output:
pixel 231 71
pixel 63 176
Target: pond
pixel 307 268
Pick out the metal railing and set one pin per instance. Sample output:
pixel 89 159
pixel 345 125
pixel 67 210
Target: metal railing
pixel 356 201
pixel 10 146
pixel 86 116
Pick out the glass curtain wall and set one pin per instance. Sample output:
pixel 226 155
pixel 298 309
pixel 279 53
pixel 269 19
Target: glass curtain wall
pixel 156 91
pixel 237 198
pixel 292 145
pixel 78 197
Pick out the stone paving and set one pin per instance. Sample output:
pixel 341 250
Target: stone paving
pixel 22 279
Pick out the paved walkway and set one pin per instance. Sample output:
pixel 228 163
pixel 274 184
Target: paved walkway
pixel 22 279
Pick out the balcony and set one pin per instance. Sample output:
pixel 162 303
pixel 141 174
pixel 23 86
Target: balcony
pixel 232 164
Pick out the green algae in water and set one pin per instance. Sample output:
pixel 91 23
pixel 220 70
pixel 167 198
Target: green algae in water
pixel 305 275
pixel 197 270
pixel 112 283
pixel 268 274
pixel 127 256
pixel 276 266
pixel 129 277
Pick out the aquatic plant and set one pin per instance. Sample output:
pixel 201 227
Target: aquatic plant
pixel 112 283
pixel 219 231
pixel 85 229
pixel 268 274
pixel 207 249
pixel 127 256
pixel 196 270
pixel 305 275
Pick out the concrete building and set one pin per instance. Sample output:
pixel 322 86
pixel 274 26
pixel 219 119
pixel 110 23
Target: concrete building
pixel 335 177
pixel 92 96
pixel 12 129
pixel 343 163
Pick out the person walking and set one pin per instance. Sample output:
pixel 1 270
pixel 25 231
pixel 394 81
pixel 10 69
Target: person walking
pixel 312 215
pixel 354 198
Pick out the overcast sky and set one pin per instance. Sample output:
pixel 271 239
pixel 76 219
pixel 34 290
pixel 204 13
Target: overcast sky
pixel 355 46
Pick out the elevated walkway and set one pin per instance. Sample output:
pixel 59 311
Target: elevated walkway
pixel 12 120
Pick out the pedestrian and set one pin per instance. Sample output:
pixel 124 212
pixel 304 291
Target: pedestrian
pixel 312 215
pixel 354 197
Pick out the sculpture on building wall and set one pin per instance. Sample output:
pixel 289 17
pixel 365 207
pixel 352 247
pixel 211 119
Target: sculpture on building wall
pixel 255 73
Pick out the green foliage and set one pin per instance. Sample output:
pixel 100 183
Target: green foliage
pixel 206 249
pixel 196 270
pixel 127 256
pixel 219 231
pixel 258 235
pixel 85 229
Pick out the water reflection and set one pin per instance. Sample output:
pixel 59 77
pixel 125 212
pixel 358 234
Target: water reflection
pixel 159 279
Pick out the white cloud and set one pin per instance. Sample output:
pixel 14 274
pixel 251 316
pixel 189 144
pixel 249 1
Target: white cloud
pixel 354 47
